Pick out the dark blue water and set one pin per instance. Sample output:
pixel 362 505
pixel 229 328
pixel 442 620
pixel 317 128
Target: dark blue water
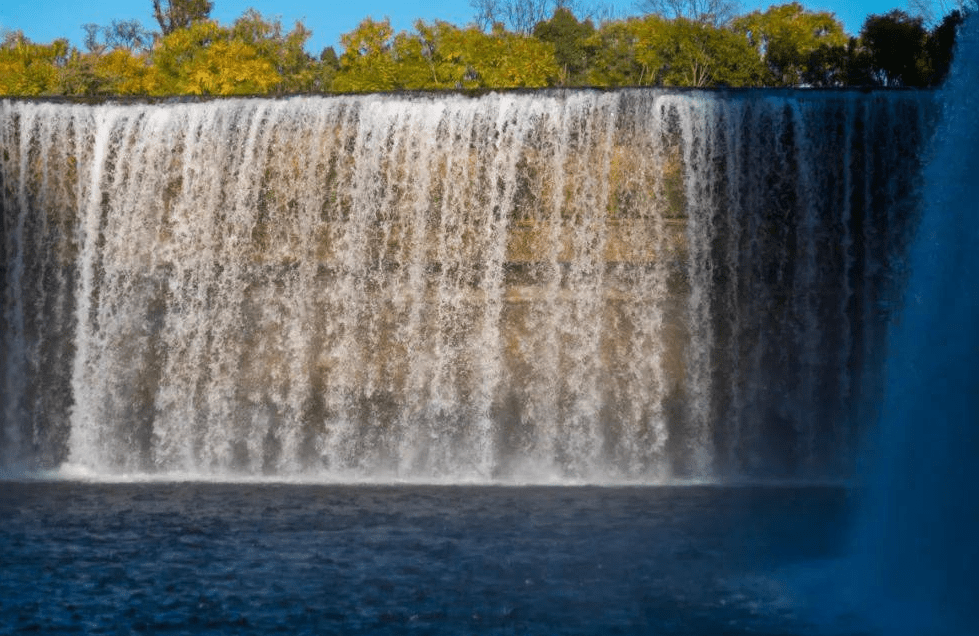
pixel 184 558
pixel 916 546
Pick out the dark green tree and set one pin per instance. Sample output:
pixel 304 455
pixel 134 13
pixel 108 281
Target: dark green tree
pixel 699 54
pixel 894 50
pixel 612 55
pixel 941 45
pixel 569 38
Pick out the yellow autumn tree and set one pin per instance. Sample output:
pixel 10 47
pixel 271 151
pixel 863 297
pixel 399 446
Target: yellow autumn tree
pixel 367 63
pixel 422 59
pixel 207 59
pixel 440 56
pixel 502 59
pixel 298 72
pixel 796 45
pixel 121 72
pixel 27 68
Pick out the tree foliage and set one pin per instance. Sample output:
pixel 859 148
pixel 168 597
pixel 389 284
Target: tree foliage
pixel 173 15
pixel 569 37
pixel 612 52
pixel 285 50
pixel 796 46
pixel 784 45
pixel 941 44
pixel 367 63
pixel 27 68
pixel 208 59
pixel 895 49
pixel 441 55
pixel 699 54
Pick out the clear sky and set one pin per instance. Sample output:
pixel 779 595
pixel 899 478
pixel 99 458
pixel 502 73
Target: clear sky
pixel 45 20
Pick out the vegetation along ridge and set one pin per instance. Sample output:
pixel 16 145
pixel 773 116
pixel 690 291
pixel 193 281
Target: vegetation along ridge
pixel 513 44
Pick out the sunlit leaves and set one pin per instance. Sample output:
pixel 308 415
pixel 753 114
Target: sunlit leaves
pixel 784 45
pixel 796 45
pixel 284 50
pixel 27 68
pixel 441 56
pixel 654 51
pixel 120 72
pixel 206 59
pixel 698 54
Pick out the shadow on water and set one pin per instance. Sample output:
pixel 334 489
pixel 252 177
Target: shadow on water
pixel 251 558
pixel 911 568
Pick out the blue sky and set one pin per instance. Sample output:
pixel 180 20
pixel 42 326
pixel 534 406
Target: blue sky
pixel 45 20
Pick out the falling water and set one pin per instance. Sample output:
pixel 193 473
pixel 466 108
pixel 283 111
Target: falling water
pixel 916 552
pixel 584 285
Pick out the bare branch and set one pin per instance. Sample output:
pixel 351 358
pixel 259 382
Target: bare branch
pixel 713 12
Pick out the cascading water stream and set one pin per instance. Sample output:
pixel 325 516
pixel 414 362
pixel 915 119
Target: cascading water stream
pixel 916 553
pixel 570 285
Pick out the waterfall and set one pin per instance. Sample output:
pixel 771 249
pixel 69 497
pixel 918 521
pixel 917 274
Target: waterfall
pixel 916 553
pixel 632 285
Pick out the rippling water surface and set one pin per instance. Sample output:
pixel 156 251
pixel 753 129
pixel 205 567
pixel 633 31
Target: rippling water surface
pixel 263 558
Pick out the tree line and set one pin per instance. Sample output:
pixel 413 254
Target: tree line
pixel 512 44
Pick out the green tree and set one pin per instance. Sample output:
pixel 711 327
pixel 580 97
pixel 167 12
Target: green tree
pixel 894 50
pixel 796 46
pixel 569 37
pixel 172 15
pixel 326 70
pixel 698 54
pixel 655 44
pixel 612 56
pixel 941 45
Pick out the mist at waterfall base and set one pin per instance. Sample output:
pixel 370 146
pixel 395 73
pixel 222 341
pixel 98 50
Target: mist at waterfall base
pixel 304 365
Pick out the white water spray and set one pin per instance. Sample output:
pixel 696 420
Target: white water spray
pixel 629 285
